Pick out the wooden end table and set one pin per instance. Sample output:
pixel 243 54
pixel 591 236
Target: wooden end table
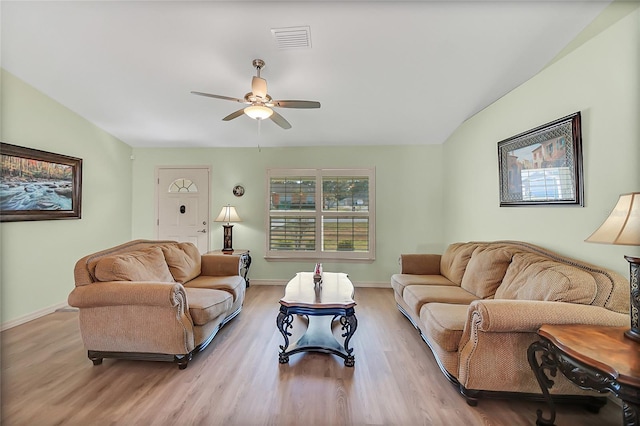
pixel 593 357
pixel 322 305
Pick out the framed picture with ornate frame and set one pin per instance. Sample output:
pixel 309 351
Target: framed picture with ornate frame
pixel 38 185
pixel 543 166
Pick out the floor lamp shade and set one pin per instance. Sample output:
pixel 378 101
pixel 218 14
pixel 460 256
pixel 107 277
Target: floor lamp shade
pixel 228 214
pixel 622 227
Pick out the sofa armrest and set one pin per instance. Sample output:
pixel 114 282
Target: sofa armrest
pixel 492 354
pixel 117 293
pixel 134 316
pixel 500 315
pixel 420 264
pixel 220 265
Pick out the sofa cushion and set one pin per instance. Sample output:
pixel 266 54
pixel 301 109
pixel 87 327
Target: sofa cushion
pixel 443 324
pixel 415 296
pixel 138 265
pixel 183 260
pixel 400 281
pixel 233 284
pixel 485 270
pixel 531 277
pixel 205 305
pixel 454 260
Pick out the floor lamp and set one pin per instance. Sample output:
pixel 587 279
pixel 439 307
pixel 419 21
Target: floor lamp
pixel 228 214
pixel 623 227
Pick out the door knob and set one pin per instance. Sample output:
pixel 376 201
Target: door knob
pixel 204 231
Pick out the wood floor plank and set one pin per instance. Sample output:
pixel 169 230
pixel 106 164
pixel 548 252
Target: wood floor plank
pixel 48 380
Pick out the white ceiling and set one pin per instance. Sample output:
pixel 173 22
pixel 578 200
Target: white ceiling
pixel 385 72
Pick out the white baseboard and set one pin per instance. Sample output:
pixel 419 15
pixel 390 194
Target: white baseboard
pixel 376 284
pixel 380 284
pixel 253 281
pixel 30 317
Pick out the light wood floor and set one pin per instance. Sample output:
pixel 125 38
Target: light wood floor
pixel 48 380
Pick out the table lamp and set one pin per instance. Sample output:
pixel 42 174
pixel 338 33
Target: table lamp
pixel 228 214
pixel 622 227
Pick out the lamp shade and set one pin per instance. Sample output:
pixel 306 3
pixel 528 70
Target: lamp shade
pixel 228 214
pixel 258 112
pixel 622 227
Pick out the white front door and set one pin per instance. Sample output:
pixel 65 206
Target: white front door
pixel 183 205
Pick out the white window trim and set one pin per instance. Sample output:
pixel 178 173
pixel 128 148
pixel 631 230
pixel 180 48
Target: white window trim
pixel 319 255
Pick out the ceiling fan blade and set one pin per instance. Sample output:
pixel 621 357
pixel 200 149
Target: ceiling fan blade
pixel 226 98
pixel 259 87
pixel 233 115
pixel 296 104
pixel 280 120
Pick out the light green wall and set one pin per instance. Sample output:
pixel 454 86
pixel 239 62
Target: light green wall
pixel 600 79
pixel 38 257
pixel 408 194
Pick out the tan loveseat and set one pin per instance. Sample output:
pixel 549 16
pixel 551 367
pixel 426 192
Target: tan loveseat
pixel 479 305
pixel 154 300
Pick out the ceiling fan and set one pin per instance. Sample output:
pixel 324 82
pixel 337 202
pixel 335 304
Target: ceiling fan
pixel 260 103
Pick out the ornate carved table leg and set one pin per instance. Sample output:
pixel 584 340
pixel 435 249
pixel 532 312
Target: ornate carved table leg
pixel 630 405
pixel 548 362
pixel 245 260
pixel 284 322
pixel 349 323
pixel 631 414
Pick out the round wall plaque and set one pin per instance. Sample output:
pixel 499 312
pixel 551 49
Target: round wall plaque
pixel 238 190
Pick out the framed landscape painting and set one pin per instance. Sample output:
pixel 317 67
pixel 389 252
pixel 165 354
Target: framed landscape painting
pixel 38 185
pixel 543 166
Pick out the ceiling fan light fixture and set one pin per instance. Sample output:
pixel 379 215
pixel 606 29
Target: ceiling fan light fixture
pixel 258 112
pixel 260 102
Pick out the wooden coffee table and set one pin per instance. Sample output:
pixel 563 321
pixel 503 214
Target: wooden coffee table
pixel 321 305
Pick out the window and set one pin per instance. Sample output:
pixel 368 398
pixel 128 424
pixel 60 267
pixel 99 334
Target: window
pixel 183 185
pixel 321 214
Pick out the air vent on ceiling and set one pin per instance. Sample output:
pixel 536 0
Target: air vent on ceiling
pixel 292 37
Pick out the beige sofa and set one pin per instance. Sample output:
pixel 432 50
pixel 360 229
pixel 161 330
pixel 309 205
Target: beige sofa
pixel 154 300
pixel 479 305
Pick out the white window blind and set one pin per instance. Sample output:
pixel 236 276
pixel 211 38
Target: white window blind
pixel 321 214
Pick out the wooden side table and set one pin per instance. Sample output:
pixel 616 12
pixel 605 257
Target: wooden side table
pixel 593 357
pixel 245 260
